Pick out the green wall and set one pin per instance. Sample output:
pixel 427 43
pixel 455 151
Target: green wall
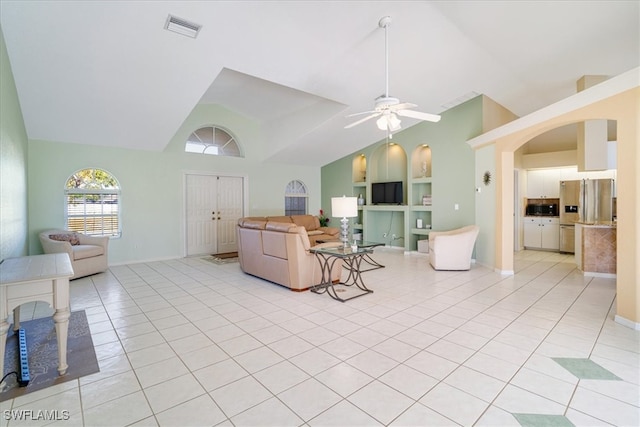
pixel 152 184
pixel 453 167
pixel 13 165
pixel 486 205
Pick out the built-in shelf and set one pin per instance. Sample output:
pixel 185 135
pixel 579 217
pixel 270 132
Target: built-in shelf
pixel 421 231
pixel 390 162
pixel 422 180
pixel 395 208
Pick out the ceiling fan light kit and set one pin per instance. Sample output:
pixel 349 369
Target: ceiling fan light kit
pixel 388 122
pixel 387 108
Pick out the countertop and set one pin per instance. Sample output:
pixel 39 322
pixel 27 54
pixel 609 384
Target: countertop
pixel 599 224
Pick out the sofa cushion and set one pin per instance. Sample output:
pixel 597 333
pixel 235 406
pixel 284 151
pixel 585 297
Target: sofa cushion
pixel 282 227
pixel 315 232
pixel 252 223
pixel 72 238
pixel 309 222
pixel 86 251
pixel 279 219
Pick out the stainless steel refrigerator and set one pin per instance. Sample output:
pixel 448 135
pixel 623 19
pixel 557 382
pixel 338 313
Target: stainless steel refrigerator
pixel 596 200
pixel 569 205
pixel 585 200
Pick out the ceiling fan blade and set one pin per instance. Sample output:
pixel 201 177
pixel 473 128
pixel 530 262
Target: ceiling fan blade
pixel 418 115
pixel 361 120
pixel 359 114
pixel 403 106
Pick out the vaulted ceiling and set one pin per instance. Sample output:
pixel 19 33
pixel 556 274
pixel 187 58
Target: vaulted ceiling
pixel 108 73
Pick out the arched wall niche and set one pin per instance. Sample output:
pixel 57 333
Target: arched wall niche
pixel 421 162
pixel 359 168
pixel 388 163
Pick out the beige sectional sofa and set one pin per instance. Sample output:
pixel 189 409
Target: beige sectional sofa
pixel 279 252
pixel 88 254
pixel 310 223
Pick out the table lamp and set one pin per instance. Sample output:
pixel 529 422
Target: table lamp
pixel 344 207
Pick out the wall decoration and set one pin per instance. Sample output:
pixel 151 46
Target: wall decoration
pixel 486 178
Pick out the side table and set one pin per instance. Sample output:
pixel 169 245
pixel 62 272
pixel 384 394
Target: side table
pixel 36 278
pixel 352 260
pixel 367 258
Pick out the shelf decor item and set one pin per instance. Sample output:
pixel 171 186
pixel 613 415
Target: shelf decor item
pixel 344 207
pixel 424 169
pixel 426 200
pixel 419 223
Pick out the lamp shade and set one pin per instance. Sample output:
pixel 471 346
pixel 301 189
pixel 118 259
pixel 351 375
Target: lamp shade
pixel 344 207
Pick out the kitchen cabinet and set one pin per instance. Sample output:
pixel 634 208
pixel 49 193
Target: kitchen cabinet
pixel 543 183
pixel 541 233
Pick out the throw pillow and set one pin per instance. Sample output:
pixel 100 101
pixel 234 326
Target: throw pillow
pixel 72 238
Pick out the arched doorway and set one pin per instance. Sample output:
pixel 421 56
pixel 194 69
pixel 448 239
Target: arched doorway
pixel 617 99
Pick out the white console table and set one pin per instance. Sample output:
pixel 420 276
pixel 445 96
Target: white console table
pixel 36 278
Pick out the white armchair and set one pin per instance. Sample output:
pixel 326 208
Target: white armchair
pixel 88 254
pixel 452 250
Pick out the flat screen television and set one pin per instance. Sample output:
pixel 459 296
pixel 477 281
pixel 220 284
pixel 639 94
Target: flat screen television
pixel 389 193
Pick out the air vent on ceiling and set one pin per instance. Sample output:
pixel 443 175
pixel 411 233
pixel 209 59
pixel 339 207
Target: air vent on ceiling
pixel 182 26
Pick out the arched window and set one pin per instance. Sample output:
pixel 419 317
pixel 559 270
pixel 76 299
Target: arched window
pixel 92 201
pixel 295 198
pixel 212 140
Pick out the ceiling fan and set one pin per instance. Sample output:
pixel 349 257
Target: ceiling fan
pixel 388 108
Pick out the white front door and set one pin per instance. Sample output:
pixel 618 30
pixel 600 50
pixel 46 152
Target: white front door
pixel 213 206
pixel 230 198
pixel 201 214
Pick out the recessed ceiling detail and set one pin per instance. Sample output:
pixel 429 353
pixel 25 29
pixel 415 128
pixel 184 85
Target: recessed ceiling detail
pixel 263 100
pixel 182 26
pixel 460 100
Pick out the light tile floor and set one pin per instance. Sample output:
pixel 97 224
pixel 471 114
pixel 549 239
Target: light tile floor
pixel 190 343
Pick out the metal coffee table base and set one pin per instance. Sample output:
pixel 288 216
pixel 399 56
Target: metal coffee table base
pixel 375 264
pixel 352 263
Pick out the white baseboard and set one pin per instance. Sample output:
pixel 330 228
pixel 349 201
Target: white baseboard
pixel 626 322
pixel 603 275
pixel 116 264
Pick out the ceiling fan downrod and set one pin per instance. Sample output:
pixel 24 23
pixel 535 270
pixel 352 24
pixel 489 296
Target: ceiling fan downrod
pixel 384 23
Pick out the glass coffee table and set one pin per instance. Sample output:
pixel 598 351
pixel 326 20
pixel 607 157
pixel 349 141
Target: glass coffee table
pixel 352 259
pixel 367 258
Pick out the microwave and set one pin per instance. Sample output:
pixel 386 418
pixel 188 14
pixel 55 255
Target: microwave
pixel 547 209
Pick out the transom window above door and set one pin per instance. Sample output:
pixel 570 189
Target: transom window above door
pixel 212 140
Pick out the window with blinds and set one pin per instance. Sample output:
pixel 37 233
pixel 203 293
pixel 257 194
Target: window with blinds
pixel 92 200
pixel 295 198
